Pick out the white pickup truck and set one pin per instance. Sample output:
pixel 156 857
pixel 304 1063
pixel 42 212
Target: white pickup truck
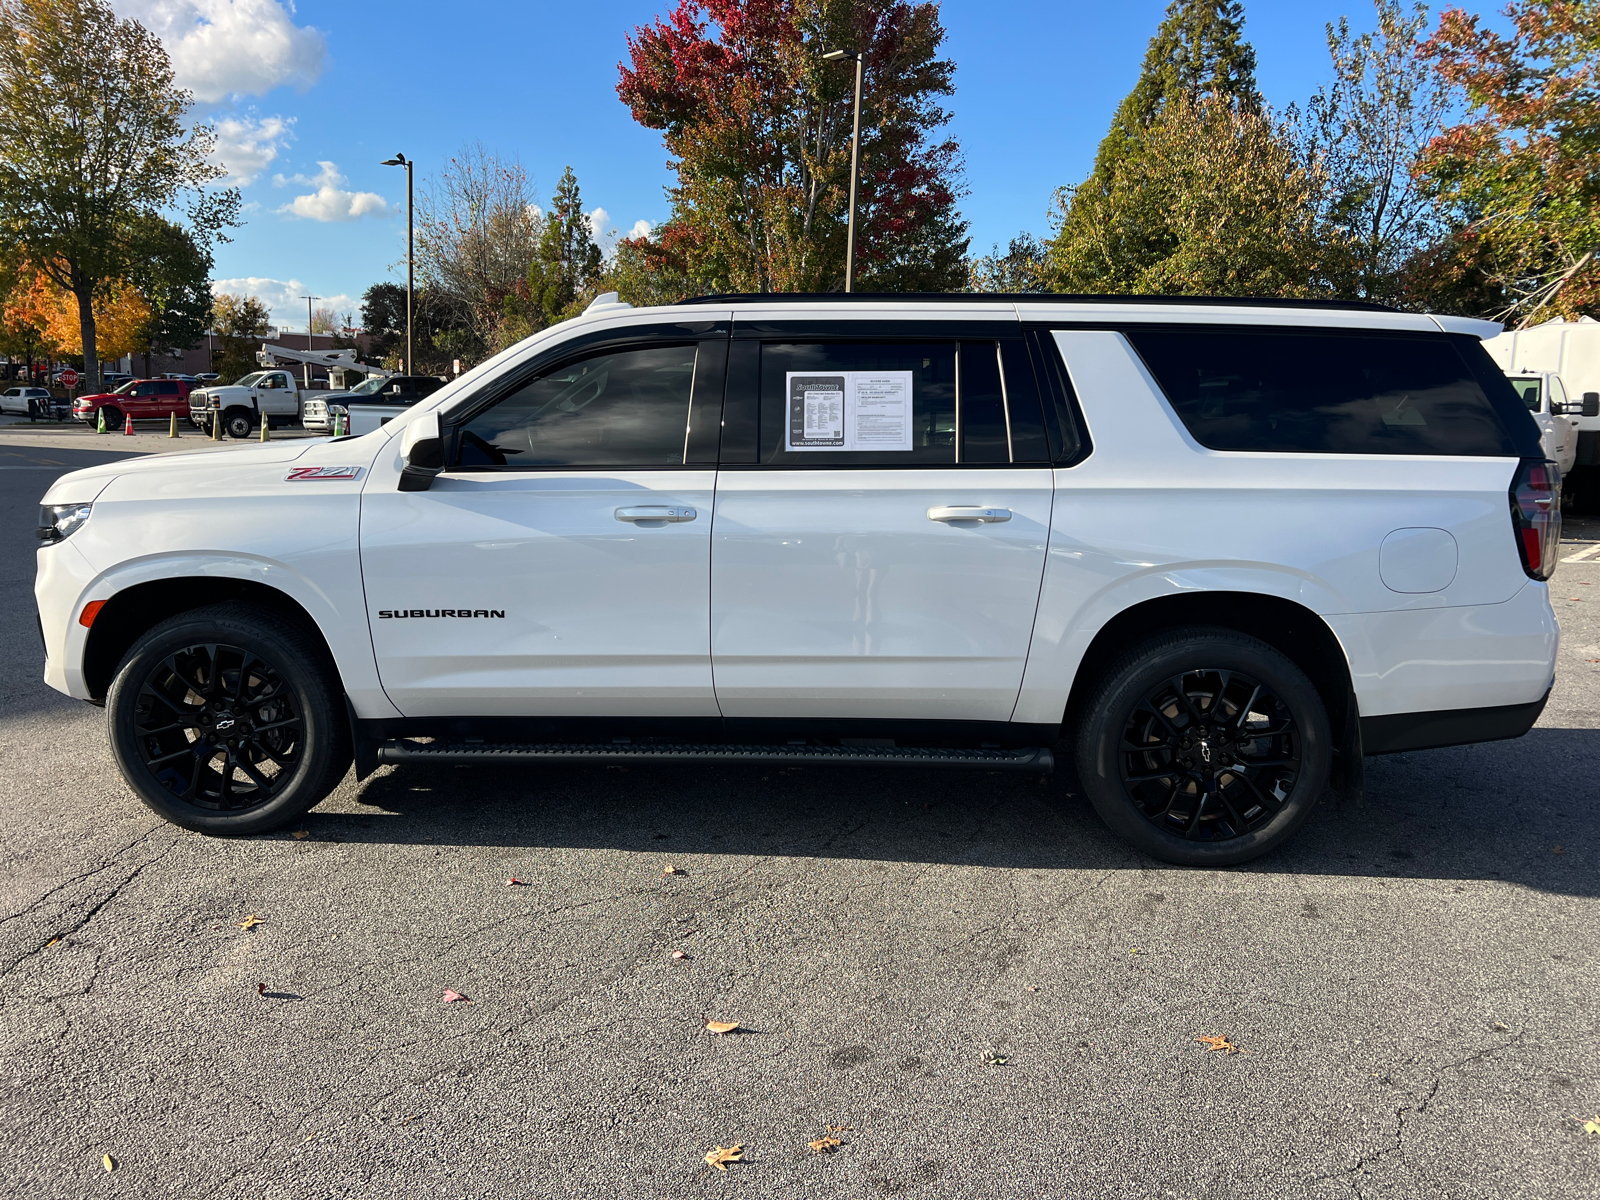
pixel 264 395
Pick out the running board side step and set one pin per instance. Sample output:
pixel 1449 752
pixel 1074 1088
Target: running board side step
pixel 1035 759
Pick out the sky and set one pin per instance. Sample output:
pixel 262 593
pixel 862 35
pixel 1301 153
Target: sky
pixel 309 96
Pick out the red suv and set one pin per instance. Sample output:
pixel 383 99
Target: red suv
pixel 138 398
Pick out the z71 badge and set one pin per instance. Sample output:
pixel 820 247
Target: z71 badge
pixel 324 473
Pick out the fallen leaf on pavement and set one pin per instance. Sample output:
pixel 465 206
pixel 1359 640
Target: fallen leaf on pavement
pixel 261 989
pixel 1501 1025
pixel 997 1060
pixel 108 1162
pixel 300 835
pixel 679 954
pixel 1557 850
pixel 825 1145
pixel 1033 987
pixel 250 922
pixel 515 882
pixel 669 869
pixel 451 996
pixel 718 1157
pixel 1592 1126
pixel 1220 1043
pixel 52 942
pixel 722 1026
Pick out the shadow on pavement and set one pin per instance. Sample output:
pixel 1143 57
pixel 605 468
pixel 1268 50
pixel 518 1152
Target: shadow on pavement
pixel 1491 812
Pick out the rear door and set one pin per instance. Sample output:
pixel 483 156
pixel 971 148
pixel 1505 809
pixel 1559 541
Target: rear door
pixel 561 563
pixel 881 526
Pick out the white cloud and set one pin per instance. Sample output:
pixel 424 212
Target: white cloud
pixel 284 298
pixel 605 232
pixel 641 228
pixel 246 146
pixel 330 202
pixel 223 48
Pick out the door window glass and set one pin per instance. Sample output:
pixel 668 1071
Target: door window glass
pixel 1328 393
pixel 983 405
pixel 1558 394
pixel 618 408
pixel 858 403
pixel 1528 389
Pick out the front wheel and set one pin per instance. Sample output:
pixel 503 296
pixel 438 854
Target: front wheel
pixel 1204 747
pixel 237 425
pixel 227 720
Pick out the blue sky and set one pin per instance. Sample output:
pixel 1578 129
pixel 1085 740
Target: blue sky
pixel 310 95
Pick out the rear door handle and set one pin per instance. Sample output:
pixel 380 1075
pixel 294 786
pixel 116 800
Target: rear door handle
pixel 657 512
pixel 960 512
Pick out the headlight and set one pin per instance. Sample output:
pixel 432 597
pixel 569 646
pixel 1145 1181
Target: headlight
pixel 338 410
pixel 56 521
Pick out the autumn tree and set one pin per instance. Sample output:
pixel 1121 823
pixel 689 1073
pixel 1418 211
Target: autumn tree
pixel 478 235
pixel 93 139
pixel 759 131
pixel 241 324
pixel 172 271
pixel 1522 172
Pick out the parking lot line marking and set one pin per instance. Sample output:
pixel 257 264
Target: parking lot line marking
pixel 1583 554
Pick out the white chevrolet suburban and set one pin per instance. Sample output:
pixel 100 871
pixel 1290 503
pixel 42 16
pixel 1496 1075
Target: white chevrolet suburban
pixel 1215 551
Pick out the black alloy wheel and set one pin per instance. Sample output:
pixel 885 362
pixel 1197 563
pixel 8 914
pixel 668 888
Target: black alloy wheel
pixel 1203 746
pixel 217 727
pixel 238 425
pixel 227 719
pixel 1210 755
pixel 113 417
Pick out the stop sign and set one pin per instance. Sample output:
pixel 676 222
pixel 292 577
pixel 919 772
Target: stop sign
pixel 69 378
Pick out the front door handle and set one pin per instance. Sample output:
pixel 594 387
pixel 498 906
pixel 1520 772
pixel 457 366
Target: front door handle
pixel 960 512
pixel 657 512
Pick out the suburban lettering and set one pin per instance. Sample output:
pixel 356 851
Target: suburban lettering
pixel 400 614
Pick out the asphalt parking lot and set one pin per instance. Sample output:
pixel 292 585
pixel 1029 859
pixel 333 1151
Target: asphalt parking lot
pixel 963 978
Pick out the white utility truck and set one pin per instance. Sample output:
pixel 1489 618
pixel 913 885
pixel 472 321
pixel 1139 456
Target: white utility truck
pixel 274 395
pixel 1571 350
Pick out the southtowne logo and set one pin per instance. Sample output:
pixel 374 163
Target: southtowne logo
pixel 398 613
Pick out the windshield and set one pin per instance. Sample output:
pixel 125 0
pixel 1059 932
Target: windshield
pixel 251 380
pixel 1528 389
pixel 124 389
pixel 370 386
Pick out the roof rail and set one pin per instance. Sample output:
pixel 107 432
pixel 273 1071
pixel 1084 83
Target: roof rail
pixel 1029 297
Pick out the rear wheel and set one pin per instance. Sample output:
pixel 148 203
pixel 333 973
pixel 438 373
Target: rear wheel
pixel 227 720
pixel 1204 747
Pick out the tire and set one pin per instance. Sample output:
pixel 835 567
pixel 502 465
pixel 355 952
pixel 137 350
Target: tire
pixel 237 424
pixel 113 417
pixel 161 705
pixel 1168 798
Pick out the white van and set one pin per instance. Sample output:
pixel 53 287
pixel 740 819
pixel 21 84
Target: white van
pixel 1216 552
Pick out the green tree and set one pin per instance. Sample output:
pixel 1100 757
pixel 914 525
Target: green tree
pixel 1198 54
pixel 562 276
pixel 1368 130
pixel 92 139
pixel 383 317
pixel 173 272
pixel 1020 269
pixel 1217 201
pixel 1522 172
pixel 241 323
pixel 759 130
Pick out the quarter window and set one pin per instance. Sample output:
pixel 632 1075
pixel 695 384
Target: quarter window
pixel 618 408
pixel 1328 393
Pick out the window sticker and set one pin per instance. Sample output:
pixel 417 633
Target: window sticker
pixel 849 410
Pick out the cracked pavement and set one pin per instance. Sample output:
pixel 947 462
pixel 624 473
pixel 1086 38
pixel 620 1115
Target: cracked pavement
pixel 1411 984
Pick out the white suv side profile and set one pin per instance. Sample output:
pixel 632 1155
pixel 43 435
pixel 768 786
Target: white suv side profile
pixel 1218 551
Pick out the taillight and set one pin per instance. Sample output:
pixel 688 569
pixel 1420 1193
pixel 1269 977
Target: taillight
pixel 1536 516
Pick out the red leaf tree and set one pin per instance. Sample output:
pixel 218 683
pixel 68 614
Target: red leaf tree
pixel 758 127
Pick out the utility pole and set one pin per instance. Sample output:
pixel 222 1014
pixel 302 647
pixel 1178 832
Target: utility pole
pixel 400 160
pixel 306 373
pixel 855 166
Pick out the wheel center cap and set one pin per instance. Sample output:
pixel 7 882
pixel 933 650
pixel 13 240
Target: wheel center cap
pixel 225 722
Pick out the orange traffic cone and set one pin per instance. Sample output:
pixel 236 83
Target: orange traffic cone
pixel 127 425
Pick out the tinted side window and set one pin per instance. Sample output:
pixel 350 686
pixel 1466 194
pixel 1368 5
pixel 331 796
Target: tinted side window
pixel 618 408
pixel 982 404
pixel 1323 392
pixel 1528 389
pixel 858 403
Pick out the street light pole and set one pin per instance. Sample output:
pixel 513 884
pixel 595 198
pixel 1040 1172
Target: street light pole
pixel 400 160
pixel 307 373
pixel 855 166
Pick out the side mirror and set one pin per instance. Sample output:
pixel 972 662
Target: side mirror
pixel 422 448
pixel 1591 404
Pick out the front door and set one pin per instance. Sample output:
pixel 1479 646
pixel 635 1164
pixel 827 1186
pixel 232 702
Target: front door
pixel 883 558
pixel 561 564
